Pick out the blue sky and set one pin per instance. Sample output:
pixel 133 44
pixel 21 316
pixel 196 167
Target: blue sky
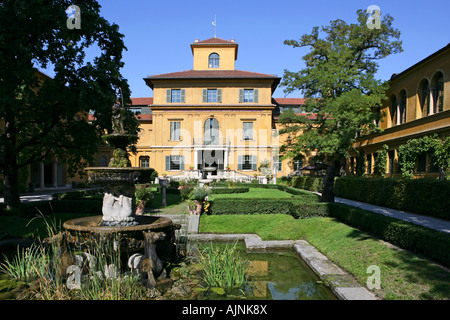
pixel 158 34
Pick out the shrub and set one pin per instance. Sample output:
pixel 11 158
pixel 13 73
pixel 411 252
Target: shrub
pixel 307 183
pixel 199 193
pixel 229 190
pixel 423 196
pixel 294 207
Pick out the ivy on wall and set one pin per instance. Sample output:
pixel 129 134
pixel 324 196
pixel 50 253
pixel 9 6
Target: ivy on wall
pixel 381 161
pixel 411 150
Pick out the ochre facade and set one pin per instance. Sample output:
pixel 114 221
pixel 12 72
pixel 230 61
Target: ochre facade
pixel 418 104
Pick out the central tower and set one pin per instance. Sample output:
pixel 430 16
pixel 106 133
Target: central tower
pixel 214 54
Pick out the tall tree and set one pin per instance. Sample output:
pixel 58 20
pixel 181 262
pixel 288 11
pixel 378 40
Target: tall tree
pixel 340 86
pixel 44 116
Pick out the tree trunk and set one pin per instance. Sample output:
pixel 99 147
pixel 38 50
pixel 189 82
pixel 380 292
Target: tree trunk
pixel 327 187
pixel 10 172
pixel 11 184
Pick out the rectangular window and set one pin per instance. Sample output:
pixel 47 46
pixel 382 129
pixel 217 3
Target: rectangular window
pixel 176 95
pixel 279 165
pixel 298 164
pixel 247 162
pixel 248 95
pixel 145 162
pixel 175 127
pixel 212 95
pixel 422 162
pixel 175 163
pixel 248 131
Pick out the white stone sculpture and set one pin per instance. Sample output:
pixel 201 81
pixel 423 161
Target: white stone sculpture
pixel 117 208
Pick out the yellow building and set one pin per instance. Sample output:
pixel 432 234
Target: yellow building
pixel 212 116
pixel 418 105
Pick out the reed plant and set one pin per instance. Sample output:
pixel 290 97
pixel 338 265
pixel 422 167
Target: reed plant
pixel 223 267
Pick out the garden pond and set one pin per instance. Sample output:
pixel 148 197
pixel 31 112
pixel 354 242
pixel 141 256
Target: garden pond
pixel 270 275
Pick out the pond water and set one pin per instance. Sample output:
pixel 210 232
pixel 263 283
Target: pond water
pixel 281 275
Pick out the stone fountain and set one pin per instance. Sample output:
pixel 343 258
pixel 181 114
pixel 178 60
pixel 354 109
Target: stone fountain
pixel 136 232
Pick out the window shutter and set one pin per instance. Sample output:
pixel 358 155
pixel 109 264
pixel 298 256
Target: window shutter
pixel 205 95
pixel 168 96
pixel 255 95
pixel 240 162
pixel 219 95
pixel 254 160
pixel 181 162
pixel 241 95
pixel 183 95
pixel 167 163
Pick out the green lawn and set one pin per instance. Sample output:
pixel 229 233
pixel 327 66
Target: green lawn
pixel 403 274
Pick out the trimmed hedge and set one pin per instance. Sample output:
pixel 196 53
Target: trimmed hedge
pixel 430 243
pixel 229 190
pixel 307 183
pixel 294 207
pixel 424 196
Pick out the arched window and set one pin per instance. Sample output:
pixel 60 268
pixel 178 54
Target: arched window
pixel 211 134
pixel 424 97
pixel 402 107
pixel 213 60
pixel 393 111
pixel 437 91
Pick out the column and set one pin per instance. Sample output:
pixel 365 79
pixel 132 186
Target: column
pixel 41 178
pixel 55 174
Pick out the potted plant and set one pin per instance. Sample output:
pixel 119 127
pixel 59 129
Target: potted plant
pixel 196 199
pixel 143 195
pixel 228 168
pixel 191 168
pixel 164 175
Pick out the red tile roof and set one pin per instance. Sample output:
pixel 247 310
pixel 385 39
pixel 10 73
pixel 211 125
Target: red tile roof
pixel 205 74
pixel 142 101
pixel 214 41
pixel 290 101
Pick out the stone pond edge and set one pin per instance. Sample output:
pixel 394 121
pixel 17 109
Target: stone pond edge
pixel 339 281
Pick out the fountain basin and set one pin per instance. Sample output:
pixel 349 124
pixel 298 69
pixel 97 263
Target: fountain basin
pixel 118 175
pixel 81 230
pixel 209 169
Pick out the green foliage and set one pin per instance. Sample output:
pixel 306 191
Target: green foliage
pixel 339 84
pixel 307 183
pixel 381 161
pixel 294 207
pixel 199 193
pixel 144 193
pixel 423 196
pixel 229 190
pixel 409 152
pixel 47 116
pixel 223 268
